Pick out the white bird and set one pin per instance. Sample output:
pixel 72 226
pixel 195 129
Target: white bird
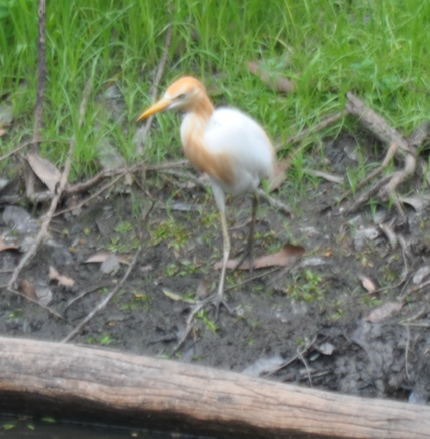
pixel 231 147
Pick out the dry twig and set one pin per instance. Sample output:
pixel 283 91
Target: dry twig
pixel 83 294
pixel 122 172
pixel 102 304
pixel 29 175
pixel 34 301
pixel 159 74
pixel 300 351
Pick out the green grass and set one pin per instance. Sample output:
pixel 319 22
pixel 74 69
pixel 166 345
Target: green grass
pixel 377 48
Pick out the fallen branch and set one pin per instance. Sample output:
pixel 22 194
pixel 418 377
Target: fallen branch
pixel 122 172
pixel 106 386
pixel 40 197
pixel 102 304
pixel 388 157
pixel 418 136
pixel 94 195
pixel 374 122
pixel 159 74
pixel 386 187
pixel 49 215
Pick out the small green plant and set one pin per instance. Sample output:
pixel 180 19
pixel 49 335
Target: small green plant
pixel 188 267
pixel 371 301
pixel 171 231
pixel 113 246
pixel 138 301
pixel 9 425
pixel 123 227
pixel 337 314
pixel 209 323
pixel 306 286
pixel 171 270
pixel 105 339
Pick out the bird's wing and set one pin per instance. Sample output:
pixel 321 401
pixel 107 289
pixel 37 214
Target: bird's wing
pixel 232 132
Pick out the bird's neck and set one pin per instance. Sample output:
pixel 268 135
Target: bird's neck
pixel 201 108
pixel 197 116
pixel 193 127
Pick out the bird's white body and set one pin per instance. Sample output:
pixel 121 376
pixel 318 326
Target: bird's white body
pixel 231 132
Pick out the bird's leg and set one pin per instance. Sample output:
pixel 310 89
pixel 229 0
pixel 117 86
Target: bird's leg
pixel 226 254
pixel 249 252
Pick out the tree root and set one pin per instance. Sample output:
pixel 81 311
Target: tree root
pixel 386 187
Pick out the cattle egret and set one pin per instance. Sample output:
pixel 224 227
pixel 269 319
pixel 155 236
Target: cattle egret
pixel 228 145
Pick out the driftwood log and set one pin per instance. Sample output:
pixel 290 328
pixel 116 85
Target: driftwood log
pixel 96 385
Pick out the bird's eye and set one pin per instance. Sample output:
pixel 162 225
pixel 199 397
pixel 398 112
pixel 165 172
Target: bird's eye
pixel 181 96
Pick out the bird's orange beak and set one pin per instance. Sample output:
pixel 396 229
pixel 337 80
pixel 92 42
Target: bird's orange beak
pixel 161 105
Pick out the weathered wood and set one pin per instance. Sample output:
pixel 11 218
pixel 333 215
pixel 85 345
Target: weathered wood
pixel 66 380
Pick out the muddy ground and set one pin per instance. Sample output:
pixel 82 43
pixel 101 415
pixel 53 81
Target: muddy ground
pixel 316 320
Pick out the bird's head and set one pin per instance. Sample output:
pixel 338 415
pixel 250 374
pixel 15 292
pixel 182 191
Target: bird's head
pixel 184 94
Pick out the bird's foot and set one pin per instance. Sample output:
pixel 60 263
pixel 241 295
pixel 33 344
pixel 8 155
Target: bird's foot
pixel 218 301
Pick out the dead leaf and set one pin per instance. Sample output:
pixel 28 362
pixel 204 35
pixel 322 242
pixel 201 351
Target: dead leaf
pixel 44 294
pixel 19 219
pixel 368 284
pixel 274 81
pixel 329 177
pixel 420 275
pixel 146 268
pixel 100 257
pixel 384 311
pixel 111 265
pixel 62 280
pixel 390 234
pixel 325 348
pixel 288 254
pixel 44 170
pixel 6 115
pixel 203 289
pixel 4 246
pixel 418 202
pixel 265 366
pixel 279 175
pixel 365 234
pixel 313 262
pixel 28 289
pixel 177 297
pixel 2 132
pixel 109 156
